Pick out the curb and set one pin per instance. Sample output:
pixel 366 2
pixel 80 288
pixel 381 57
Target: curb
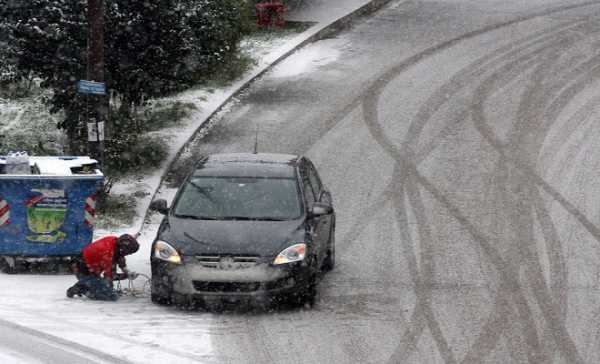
pixel 311 35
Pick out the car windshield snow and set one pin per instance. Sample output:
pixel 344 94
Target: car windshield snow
pixel 239 198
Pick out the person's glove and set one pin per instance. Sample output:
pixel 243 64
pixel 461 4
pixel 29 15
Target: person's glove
pixel 132 275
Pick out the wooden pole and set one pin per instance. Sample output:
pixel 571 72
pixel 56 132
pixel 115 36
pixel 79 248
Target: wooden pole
pixel 95 72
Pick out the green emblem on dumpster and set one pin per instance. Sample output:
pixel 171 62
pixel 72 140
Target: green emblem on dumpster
pixel 46 213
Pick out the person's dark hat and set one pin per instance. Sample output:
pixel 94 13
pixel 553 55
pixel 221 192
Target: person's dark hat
pixel 127 244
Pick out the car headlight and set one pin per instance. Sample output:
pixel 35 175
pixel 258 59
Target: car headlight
pixel 166 252
pixel 294 253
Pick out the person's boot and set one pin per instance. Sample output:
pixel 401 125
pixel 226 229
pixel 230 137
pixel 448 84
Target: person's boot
pixel 76 289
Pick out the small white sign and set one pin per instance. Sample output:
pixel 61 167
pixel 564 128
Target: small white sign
pixel 50 193
pixel 93 131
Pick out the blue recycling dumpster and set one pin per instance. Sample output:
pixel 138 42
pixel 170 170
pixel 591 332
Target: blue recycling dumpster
pixel 49 210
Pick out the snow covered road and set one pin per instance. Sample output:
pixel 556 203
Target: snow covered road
pixel 24 345
pixel 459 142
pixel 459 139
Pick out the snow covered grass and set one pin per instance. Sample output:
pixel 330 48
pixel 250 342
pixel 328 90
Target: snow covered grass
pixel 26 124
pixel 118 211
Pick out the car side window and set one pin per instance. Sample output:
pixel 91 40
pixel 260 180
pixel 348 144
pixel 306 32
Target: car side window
pixel 315 181
pixel 309 193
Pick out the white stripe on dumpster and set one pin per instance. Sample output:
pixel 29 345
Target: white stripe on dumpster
pixel 4 219
pixel 90 210
pixel 89 218
pixel 91 202
pixel 3 203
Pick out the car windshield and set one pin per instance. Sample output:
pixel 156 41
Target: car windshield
pixel 239 198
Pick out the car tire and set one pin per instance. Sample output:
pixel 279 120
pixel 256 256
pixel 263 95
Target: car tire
pixel 308 295
pixel 160 300
pixel 159 293
pixel 329 262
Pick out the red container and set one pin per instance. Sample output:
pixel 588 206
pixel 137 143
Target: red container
pixel 270 14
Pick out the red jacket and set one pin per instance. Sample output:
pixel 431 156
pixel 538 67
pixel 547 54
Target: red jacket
pixel 99 256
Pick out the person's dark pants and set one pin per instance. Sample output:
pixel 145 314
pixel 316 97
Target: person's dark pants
pixel 96 288
pixel 92 286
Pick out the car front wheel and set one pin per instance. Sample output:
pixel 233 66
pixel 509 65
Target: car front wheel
pixel 159 293
pixel 160 300
pixel 306 296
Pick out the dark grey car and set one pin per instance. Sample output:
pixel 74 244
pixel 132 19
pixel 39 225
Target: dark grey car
pixel 255 226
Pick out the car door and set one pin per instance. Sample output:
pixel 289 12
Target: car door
pixel 314 223
pixel 323 226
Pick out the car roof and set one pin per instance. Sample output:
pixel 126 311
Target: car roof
pixel 248 165
pixel 252 158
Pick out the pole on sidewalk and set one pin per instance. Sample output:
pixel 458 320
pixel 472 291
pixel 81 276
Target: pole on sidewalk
pixel 95 72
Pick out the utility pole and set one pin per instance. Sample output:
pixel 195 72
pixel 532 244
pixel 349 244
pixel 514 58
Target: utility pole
pixel 98 110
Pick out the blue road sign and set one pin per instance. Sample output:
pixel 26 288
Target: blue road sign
pixel 91 87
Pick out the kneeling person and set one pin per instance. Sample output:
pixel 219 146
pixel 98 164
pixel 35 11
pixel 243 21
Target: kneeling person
pixel 97 267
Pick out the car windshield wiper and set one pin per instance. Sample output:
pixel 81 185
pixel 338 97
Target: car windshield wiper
pixel 246 218
pixel 194 217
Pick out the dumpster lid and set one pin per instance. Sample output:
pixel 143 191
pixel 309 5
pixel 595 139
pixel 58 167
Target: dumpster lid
pixel 60 166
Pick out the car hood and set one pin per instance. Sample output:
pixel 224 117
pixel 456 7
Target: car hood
pixel 256 238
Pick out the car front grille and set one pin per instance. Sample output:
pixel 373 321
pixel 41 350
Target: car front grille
pixel 228 287
pixel 227 262
pixel 242 287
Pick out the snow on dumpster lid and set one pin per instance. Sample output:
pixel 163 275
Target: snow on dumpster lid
pixel 60 166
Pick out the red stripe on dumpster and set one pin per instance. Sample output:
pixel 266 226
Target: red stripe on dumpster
pixel 90 210
pixel 35 200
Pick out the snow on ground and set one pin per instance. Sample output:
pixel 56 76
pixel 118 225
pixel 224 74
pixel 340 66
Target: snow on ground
pixel 8 356
pixel 306 60
pixel 133 328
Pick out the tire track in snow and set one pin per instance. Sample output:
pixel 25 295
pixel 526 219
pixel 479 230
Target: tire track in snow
pixel 391 150
pixel 424 115
pixel 467 358
pixel 528 199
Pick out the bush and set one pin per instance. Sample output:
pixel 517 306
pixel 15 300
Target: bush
pixel 159 115
pixel 153 47
pixel 216 28
pixel 133 153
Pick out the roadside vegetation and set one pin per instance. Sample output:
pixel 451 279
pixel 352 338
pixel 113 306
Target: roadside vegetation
pixel 153 50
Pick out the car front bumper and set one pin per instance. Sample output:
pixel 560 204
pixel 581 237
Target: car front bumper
pixel 259 281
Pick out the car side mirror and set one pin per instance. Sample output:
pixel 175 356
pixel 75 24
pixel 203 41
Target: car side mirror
pixel 319 209
pixel 160 206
